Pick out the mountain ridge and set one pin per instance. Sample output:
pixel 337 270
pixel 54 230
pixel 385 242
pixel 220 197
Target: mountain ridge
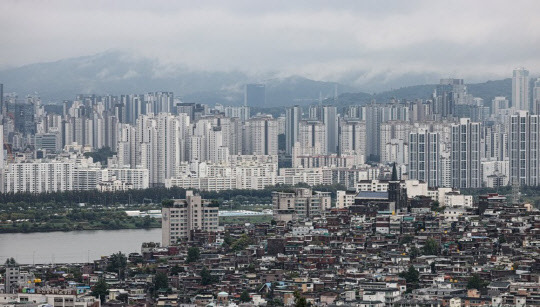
pixel 115 72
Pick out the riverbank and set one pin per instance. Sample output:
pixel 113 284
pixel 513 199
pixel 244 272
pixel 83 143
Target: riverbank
pixel 105 221
pixel 129 224
pixel 46 229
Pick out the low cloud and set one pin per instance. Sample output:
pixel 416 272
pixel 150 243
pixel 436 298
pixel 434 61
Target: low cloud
pixel 349 42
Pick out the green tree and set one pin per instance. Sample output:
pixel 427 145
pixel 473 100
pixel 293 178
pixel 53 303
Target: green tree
pixel 206 277
pixel 228 239
pixel 431 247
pixel 412 277
pixel 193 254
pixel 100 155
pixel 167 203
pixel 244 297
pixel 299 300
pixel 161 281
pixel 414 252
pixel 241 243
pixel 176 269
pixel 117 263
pixel 476 282
pixel 100 290
pixel 10 262
pixel 147 222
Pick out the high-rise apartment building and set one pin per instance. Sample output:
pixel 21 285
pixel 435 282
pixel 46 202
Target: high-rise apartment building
pixel 520 89
pixel 394 138
pixel 448 94
pixel 183 216
pixel 499 103
pixel 159 145
pixel 495 142
pixel 466 154
pixel 536 97
pixel 330 120
pixel 261 135
pixel 47 141
pixel 1 100
pixel 424 156
pixel 352 137
pixel 243 112
pixel 373 135
pixel 293 115
pixel 524 149
pixel 311 138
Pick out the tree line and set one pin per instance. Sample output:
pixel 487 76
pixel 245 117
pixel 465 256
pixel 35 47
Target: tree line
pixel 150 195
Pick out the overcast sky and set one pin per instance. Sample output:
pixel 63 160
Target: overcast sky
pixel 324 40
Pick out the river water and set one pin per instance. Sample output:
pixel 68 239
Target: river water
pixel 73 246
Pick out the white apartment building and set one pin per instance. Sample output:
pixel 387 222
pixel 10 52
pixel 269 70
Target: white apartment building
pixel 261 136
pixel 536 97
pixel 495 173
pixel 345 199
pixel 137 178
pixel 524 149
pixel 352 137
pixel 66 174
pixel 454 199
pixel 394 139
pixel 466 154
pixel 183 216
pixel 311 138
pixel 300 203
pixel 424 157
pixel 39 177
pixel 520 89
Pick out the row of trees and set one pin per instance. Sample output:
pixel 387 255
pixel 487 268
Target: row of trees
pixel 154 195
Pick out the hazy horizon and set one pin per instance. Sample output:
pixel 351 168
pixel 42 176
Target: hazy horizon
pixel 373 44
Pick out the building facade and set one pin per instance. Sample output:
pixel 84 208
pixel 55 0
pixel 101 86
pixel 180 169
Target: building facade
pixel 183 216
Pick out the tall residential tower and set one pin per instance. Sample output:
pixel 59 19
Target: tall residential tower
pixel 520 89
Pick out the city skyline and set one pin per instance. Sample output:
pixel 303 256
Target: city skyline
pixel 250 153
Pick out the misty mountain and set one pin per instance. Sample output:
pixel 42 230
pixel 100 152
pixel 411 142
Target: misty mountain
pixel 119 73
pixel 485 90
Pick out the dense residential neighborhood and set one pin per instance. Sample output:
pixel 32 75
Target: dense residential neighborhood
pixel 382 249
